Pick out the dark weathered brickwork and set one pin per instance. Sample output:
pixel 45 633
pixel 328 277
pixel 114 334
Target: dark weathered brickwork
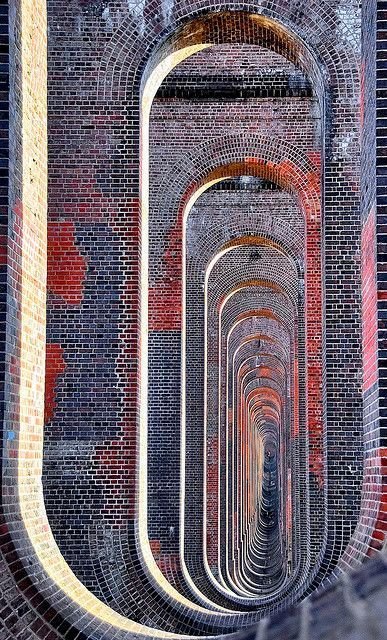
pixel 193 341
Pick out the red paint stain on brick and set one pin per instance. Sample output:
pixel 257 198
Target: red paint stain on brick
pixel 169 565
pixel 78 196
pixel 315 158
pixel 378 466
pixel 165 297
pixel 165 306
pixel 66 267
pixel 155 546
pixel 55 366
pixel 316 462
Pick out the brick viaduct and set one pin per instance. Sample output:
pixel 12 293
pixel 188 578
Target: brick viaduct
pixel 193 210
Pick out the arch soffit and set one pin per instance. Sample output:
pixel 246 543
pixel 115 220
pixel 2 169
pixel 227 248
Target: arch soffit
pixel 327 44
pixel 259 155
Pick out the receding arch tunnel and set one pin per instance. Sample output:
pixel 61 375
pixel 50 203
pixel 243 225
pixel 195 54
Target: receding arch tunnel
pixel 204 453
pixel 207 518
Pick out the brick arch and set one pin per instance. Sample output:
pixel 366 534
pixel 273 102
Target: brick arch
pixel 339 542
pixel 107 630
pixel 263 401
pixel 237 168
pixel 261 275
pixel 266 330
pixel 235 155
pixel 249 297
pixel 309 37
pixel 209 246
pixel 250 240
pixel 236 274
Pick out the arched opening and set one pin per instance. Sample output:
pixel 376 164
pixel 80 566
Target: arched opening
pixel 258 408
pixel 300 177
